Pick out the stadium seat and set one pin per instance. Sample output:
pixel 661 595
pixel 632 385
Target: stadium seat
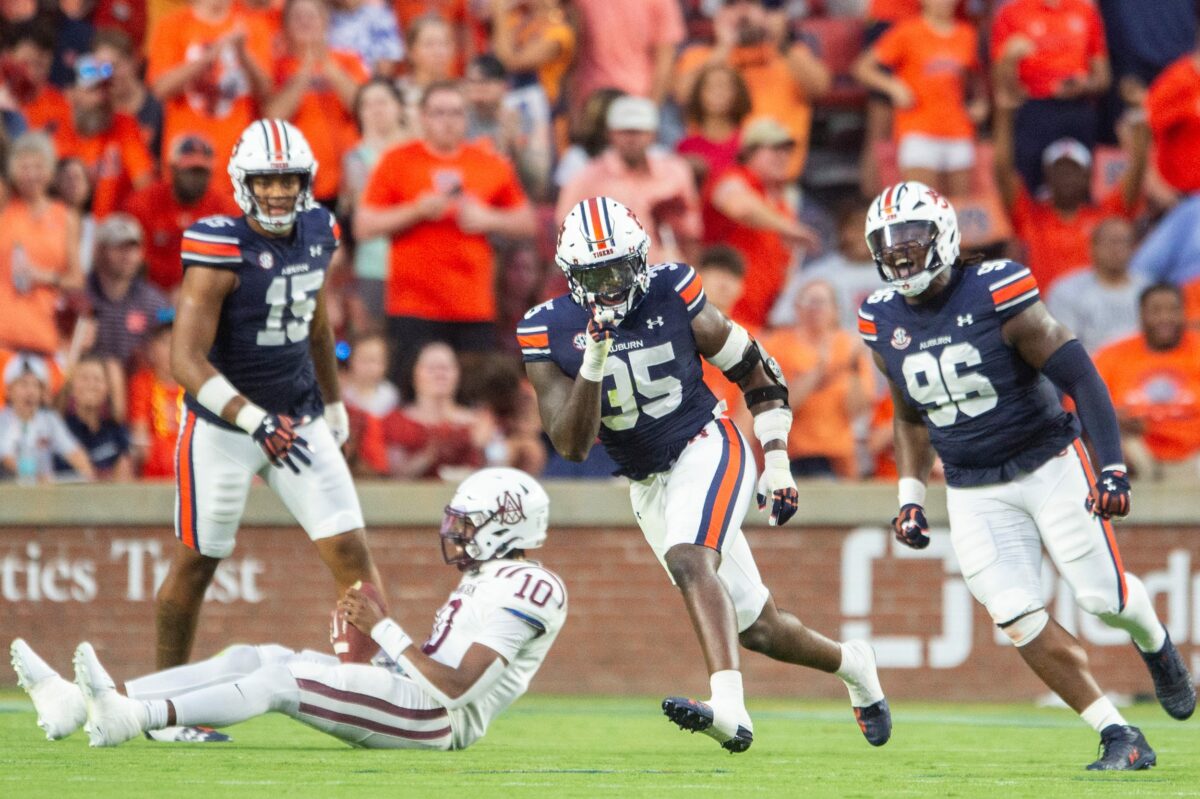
pixel 838 42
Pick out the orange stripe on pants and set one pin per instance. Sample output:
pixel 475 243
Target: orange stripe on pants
pixel 728 487
pixel 1105 524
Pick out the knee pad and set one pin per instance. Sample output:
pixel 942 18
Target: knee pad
pixel 1097 605
pixel 1024 629
pixel 1011 604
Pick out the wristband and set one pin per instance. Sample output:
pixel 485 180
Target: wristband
pixel 249 417
pixel 776 459
pixel 773 425
pixel 391 638
pixel 594 355
pixel 912 492
pixel 216 393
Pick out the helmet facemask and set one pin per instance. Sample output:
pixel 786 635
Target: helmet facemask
pixel 279 223
pixel 614 285
pixel 906 255
pixel 461 532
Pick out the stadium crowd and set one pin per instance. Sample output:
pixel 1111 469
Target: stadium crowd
pixel 453 135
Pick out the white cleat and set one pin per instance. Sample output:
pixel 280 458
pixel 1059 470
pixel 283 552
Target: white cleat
pixel 59 704
pixel 111 718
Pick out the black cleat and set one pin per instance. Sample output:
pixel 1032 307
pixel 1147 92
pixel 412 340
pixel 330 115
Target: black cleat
pixel 695 716
pixel 1123 748
pixel 875 721
pixel 1172 683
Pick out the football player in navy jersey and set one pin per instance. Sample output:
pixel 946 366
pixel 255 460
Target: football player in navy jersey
pixel 619 358
pixel 972 359
pixel 255 353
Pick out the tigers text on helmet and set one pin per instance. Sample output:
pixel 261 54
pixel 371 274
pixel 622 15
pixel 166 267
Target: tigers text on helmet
pixel 272 147
pixel 913 235
pixel 602 250
pixel 493 512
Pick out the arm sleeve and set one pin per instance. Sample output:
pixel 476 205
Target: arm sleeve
pixel 1072 372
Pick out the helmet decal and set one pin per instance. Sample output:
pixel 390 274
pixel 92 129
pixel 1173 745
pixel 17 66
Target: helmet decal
pixel 510 510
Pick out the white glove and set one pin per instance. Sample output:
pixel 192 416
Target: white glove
pixel 776 484
pixel 338 421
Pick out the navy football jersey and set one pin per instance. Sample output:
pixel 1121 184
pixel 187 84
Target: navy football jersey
pixel 990 415
pixel 653 400
pixel 261 344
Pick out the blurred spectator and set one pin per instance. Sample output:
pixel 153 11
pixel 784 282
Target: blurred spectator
pixel 747 208
pixel 125 305
pixel 155 405
pixel 723 273
pixel 453 13
pixel 128 17
pixel 89 417
pixel 31 435
pixel 1056 231
pixel 501 391
pixel 364 383
pixel 1052 55
pixel 1100 305
pixel 431 52
pixel 169 206
pixel 208 64
pixel 658 187
pixel 439 198
pixel 850 270
pixel 1171 251
pixel 73 32
pixel 881 439
pixel 829 385
pixel 368 28
pixel 536 44
pixel 129 94
pixel 628 45
pixel 433 432
pixel 30 47
pixel 1173 105
pixel 379 110
pixel 782 84
pixel 73 186
pixel 1155 385
pixel 491 114
pixel 716 107
pixel 107 142
pixel 39 250
pixel 315 89
pixel 589 135
pixel 928 66
pixel 523 277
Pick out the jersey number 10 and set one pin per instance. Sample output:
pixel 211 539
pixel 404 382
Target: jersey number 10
pixel 301 300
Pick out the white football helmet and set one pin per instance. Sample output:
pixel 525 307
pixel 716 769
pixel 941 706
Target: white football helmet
pixel 913 234
pixel 602 250
pixel 272 147
pixel 493 512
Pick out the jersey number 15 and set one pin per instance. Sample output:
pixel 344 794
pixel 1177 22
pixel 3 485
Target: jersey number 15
pixel 300 299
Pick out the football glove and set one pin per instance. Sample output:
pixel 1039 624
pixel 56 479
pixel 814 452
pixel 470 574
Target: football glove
pixel 776 484
pixel 602 326
pixel 277 437
pixel 339 421
pixel 1110 496
pixel 910 527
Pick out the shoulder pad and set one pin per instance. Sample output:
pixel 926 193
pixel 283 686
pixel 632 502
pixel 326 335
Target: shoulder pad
pixel 548 305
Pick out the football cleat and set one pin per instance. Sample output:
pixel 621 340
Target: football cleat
pixel 1123 748
pixel 60 707
pixel 111 718
pixel 1172 683
pixel 875 721
pixel 870 708
pixel 187 735
pixel 695 716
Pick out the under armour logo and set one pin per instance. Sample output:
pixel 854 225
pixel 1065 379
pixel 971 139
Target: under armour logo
pixel 963 321
pixel 652 323
pixel 315 250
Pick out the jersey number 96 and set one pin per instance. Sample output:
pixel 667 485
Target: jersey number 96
pixel 937 382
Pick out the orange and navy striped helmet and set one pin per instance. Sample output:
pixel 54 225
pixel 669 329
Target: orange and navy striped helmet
pixel 602 249
pixel 272 147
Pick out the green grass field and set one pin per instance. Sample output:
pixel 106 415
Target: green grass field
pixel 620 747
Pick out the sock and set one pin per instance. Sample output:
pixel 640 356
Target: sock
pixel 1138 618
pixel 233 663
pixel 1102 713
pixel 856 672
pixel 269 688
pixel 156 714
pixel 727 690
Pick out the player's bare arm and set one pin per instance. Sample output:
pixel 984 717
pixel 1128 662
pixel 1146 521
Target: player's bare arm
pixel 198 312
pixel 570 409
pixel 914 460
pixel 322 345
pixel 727 346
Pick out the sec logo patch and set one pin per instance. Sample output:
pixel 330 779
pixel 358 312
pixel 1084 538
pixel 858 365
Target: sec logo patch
pixel 580 341
pixel 900 338
pixel 266 260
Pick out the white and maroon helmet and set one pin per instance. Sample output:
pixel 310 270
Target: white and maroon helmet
pixel 602 249
pixel 493 512
pixel 272 147
pixel 913 235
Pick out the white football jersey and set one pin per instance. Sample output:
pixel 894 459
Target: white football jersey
pixel 482 610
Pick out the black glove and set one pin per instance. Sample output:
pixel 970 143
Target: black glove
pixel 910 526
pixel 1110 495
pixel 277 436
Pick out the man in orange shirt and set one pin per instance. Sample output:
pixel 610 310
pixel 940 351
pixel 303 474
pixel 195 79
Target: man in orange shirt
pixel 207 65
pixel 723 273
pixel 746 208
pixel 107 142
pixel 626 44
pixel 1057 231
pixel 782 85
pixel 1154 379
pixel 1053 53
pixel 169 206
pixel 438 198
pixel 31 48
pixel 1174 109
